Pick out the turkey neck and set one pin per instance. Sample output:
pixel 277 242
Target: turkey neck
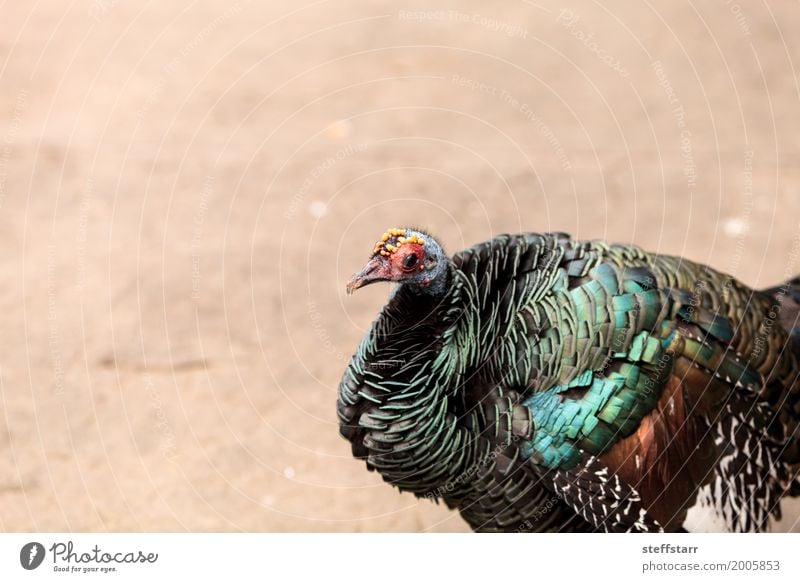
pixel 396 404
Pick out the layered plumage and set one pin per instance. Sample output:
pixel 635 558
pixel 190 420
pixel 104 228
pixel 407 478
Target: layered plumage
pixel 536 383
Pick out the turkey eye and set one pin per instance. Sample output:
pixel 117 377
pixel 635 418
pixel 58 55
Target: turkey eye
pixel 409 261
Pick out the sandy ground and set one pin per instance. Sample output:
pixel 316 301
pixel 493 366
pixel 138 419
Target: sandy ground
pixel 184 190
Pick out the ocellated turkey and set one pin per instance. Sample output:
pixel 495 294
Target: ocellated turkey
pixel 538 383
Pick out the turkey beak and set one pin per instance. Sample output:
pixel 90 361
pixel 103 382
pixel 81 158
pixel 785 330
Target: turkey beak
pixel 377 269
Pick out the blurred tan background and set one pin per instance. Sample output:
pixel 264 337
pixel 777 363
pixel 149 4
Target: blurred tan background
pixel 186 187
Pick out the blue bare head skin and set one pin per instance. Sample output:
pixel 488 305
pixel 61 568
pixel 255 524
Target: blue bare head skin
pixel 409 257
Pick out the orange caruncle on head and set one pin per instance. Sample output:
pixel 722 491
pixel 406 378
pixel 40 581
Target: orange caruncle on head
pixel 393 239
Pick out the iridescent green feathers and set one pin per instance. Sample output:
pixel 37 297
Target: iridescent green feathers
pixel 548 364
